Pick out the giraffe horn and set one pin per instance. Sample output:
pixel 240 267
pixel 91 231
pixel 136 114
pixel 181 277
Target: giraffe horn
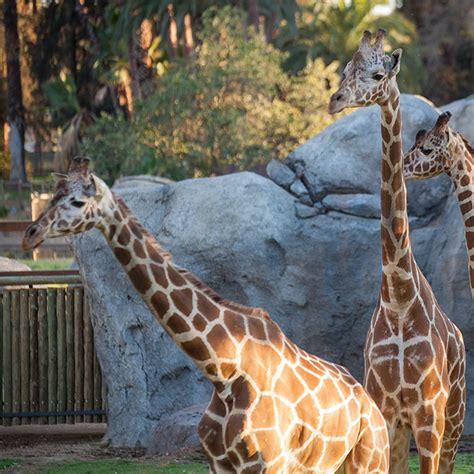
pixel 365 40
pixel 443 120
pixel 379 38
pixel 79 164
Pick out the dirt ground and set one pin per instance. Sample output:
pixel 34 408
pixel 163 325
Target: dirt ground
pixel 36 446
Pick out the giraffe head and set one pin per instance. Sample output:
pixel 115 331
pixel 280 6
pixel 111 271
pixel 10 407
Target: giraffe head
pixel 78 204
pixel 431 154
pixel 369 77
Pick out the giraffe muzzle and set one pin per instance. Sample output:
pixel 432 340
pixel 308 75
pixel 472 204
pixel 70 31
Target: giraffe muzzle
pixel 34 237
pixel 337 103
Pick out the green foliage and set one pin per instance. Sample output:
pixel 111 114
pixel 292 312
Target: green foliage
pixel 6 463
pixel 332 31
pixel 231 108
pixel 3 211
pixel 61 97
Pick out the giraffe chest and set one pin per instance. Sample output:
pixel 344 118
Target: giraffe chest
pixel 407 361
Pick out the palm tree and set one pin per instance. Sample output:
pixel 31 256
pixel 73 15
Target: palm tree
pixel 15 112
pixel 332 31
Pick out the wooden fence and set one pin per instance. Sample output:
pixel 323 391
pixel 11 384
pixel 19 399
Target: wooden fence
pixel 49 371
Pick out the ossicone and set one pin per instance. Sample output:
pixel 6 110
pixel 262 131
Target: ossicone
pixel 79 164
pixel 443 120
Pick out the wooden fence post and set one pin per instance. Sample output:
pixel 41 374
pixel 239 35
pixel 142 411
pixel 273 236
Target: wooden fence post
pixel 70 352
pixel 79 352
pixel 7 357
pixel 24 356
pixel 16 368
pixel 52 355
pixel 43 355
pixel 34 362
pixel 61 318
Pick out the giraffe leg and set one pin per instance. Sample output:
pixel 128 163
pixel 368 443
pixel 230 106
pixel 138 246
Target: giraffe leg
pixel 455 410
pixel 429 433
pixel 372 451
pixel 399 450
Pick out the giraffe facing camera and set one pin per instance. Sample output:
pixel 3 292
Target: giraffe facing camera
pixel 414 354
pixel 367 78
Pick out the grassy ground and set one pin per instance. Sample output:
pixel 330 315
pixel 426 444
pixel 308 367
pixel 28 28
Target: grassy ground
pixel 48 263
pixel 4 463
pixel 120 466
pixel 464 465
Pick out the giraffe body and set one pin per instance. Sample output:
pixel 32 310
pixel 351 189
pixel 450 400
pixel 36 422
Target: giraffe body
pixel 442 150
pixel 275 408
pixel 414 355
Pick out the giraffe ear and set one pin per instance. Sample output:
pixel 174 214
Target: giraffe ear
pixel 97 187
pixel 395 62
pixel 60 176
pixel 420 135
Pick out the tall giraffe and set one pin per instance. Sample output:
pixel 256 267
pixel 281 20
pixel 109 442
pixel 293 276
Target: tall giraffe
pixel 275 408
pixel 414 355
pixel 439 150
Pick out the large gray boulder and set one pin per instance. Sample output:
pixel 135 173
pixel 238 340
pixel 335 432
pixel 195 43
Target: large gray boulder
pixel 345 159
pixel 11 265
pixel 315 268
pixel 462 119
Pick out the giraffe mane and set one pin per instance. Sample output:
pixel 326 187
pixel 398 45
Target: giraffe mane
pixel 240 308
pixel 467 144
pixel 199 284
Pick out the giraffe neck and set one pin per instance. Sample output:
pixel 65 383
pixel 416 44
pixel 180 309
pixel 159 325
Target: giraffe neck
pixel 462 175
pixel 193 319
pixel 397 260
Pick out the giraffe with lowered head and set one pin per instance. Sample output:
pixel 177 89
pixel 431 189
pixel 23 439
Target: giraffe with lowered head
pixel 275 408
pixel 414 355
pixel 439 150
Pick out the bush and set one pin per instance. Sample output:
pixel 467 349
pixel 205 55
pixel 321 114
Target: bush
pixel 232 107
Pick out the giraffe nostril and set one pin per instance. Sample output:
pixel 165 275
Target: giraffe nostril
pixel 337 96
pixel 31 231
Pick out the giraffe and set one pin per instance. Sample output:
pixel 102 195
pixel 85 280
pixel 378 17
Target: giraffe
pixel 414 355
pixel 275 408
pixel 439 150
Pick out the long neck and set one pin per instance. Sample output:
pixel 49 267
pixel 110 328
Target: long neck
pixel 462 175
pixel 186 312
pixel 397 261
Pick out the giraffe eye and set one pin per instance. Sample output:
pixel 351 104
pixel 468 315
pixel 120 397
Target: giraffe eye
pixel 377 77
pixel 77 203
pixel 426 151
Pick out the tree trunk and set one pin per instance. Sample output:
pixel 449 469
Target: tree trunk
pixel 145 36
pixel 172 35
pixel 15 112
pixel 133 67
pixel 270 26
pixel 188 36
pixel 72 43
pixel 253 14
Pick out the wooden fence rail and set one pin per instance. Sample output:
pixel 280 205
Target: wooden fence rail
pixel 49 371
